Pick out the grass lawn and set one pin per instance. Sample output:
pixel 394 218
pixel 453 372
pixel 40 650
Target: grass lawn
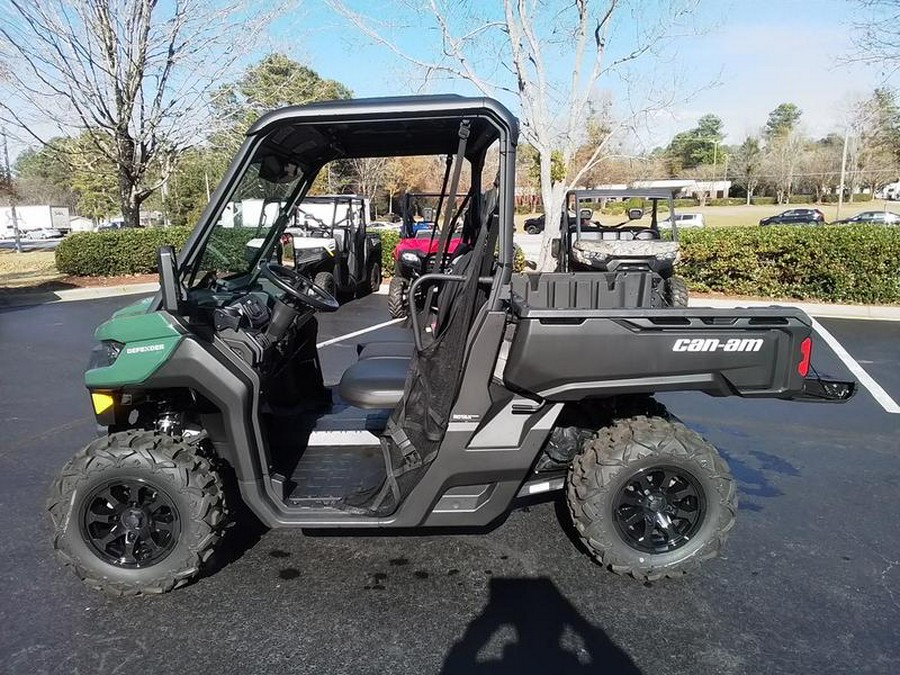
pixel 19 270
pixel 735 216
pixel 729 216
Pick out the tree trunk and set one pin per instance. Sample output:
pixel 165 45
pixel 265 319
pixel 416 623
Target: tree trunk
pixel 128 192
pixel 552 195
pixel 131 208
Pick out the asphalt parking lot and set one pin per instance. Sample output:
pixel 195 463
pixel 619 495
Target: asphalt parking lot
pixel 810 582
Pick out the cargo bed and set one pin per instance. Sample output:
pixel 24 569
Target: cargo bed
pixel 592 335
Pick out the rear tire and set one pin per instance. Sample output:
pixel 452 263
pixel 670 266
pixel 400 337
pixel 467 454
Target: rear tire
pixel 397 297
pixel 676 292
pixel 142 487
pixel 637 475
pixel 325 281
pixel 532 229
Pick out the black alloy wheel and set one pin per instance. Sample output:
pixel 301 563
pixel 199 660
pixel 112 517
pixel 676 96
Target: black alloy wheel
pixel 650 498
pixel 659 509
pixel 130 523
pixel 138 512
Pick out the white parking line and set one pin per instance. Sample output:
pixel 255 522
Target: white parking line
pixel 878 393
pixel 341 338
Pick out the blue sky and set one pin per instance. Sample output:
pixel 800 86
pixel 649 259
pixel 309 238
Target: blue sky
pixel 745 58
pixel 760 53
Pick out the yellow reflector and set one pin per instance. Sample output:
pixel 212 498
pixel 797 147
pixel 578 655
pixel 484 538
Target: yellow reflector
pixel 101 402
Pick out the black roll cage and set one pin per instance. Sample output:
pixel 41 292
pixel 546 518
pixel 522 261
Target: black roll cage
pixel 386 127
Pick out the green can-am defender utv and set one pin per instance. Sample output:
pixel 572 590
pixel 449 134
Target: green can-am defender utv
pixel 211 394
pixel 633 245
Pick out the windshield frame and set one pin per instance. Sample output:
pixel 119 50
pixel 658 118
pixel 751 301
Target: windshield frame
pixel 191 255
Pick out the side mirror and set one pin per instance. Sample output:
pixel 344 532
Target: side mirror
pixel 635 214
pixel 585 214
pixel 554 248
pixel 530 264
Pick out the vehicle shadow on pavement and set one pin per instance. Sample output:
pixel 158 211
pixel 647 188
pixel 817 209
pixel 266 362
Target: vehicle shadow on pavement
pixel 528 626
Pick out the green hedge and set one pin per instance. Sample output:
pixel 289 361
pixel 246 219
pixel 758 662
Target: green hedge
pixel 802 199
pixel 830 263
pixel 124 252
pixel 728 201
pixel 133 251
pixel 762 201
pixel 833 199
pixel 116 252
pixel 389 239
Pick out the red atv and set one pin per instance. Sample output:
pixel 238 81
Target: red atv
pixel 414 254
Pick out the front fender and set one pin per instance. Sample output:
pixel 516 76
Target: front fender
pixel 148 341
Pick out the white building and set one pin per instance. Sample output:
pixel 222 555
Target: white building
pixel 79 224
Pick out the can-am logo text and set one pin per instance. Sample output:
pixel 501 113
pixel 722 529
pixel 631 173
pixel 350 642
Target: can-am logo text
pixel 716 345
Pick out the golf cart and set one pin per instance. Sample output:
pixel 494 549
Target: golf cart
pixel 416 249
pixel 211 395
pixel 329 242
pixel 629 246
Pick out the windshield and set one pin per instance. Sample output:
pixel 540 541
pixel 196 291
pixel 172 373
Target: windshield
pixel 266 189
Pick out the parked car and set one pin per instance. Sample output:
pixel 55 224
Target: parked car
pixel 871 218
pixel 796 217
pixel 684 220
pixel 45 233
pixel 536 225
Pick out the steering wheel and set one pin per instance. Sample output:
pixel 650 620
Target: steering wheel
pixel 299 287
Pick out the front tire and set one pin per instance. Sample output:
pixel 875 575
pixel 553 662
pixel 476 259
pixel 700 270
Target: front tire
pixel 677 293
pixel 137 512
pixel 650 498
pixel 325 281
pixel 397 297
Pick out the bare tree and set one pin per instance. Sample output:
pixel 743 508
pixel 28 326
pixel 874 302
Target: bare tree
pixel 876 35
pixel 820 166
pixel 748 164
pixel 781 162
pixel 133 75
pixel 370 174
pixel 875 128
pixel 515 47
pixel 705 175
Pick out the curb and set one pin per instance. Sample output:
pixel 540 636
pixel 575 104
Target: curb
pixel 822 310
pixel 866 312
pixel 71 295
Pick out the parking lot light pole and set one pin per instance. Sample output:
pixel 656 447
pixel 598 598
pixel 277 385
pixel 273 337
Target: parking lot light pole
pixel 843 172
pixel 12 195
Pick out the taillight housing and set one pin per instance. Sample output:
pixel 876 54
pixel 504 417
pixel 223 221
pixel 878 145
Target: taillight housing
pixel 805 354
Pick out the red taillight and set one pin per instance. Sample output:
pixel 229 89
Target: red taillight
pixel 805 353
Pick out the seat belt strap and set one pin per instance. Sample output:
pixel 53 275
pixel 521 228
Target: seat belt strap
pixel 443 243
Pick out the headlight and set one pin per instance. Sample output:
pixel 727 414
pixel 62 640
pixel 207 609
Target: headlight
pixel 588 257
pixel 105 354
pixel 409 257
